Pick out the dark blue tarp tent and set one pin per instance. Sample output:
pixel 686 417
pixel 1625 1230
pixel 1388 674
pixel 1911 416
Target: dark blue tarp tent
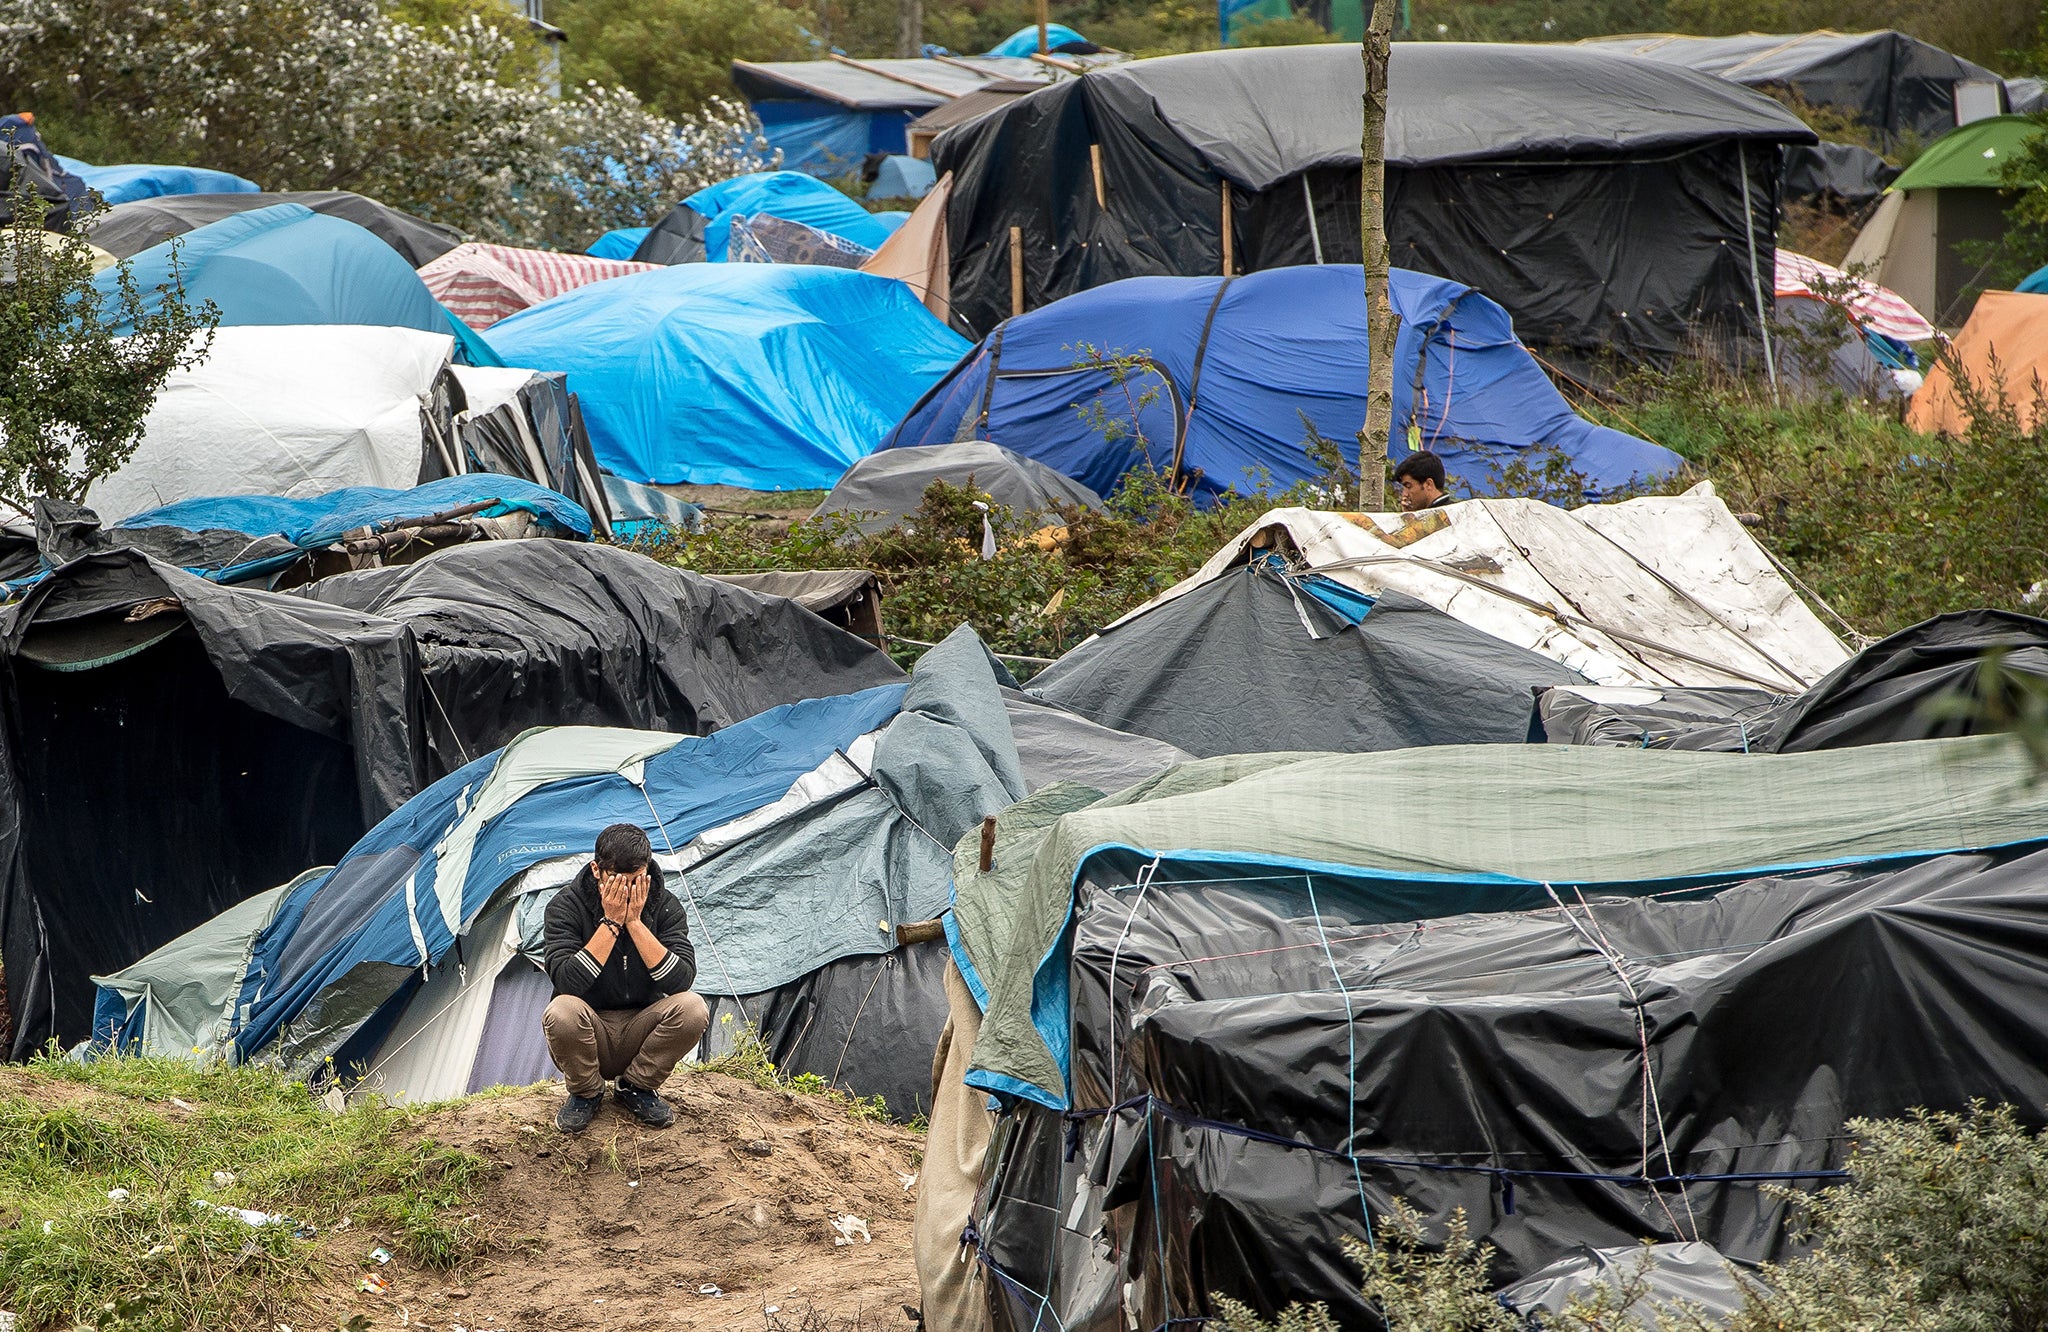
pixel 126 184
pixel 1224 376
pixel 767 376
pixel 289 265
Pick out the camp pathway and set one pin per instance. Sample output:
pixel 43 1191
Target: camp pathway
pixel 625 1227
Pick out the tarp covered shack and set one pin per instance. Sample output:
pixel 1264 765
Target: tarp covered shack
pixel 1229 1018
pixel 1660 590
pixel 1899 86
pixel 1612 205
pixel 826 116
pixel 1225 381
pixel 210 742
pixel 797 840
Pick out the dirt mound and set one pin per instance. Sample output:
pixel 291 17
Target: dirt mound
pixel 629 1228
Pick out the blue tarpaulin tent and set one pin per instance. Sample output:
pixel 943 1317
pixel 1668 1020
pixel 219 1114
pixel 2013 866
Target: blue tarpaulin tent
pixel 2036 281
pixel 1025 40
pixel 789 195
pixel 126 184
pixel 289 265
pixel 1226 377
pixel 767 376
pixel 618 244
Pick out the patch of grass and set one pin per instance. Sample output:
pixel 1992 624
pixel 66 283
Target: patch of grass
pixel 80 1252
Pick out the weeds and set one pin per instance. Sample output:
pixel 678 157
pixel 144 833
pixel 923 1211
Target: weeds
pixel 748 1060
pixel 104 1191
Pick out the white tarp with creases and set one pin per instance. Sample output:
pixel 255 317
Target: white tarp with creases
pixel 1663 590
pixel 293 410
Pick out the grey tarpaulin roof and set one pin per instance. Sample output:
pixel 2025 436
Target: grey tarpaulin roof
pixel 873 88
pixel 972 106
pixel 816 590
pixel 131 228
pixel 1262 114
pixel 1892 82
pixel 891 483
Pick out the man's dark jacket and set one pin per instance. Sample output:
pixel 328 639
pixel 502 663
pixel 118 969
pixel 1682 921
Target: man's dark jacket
pixel 624 981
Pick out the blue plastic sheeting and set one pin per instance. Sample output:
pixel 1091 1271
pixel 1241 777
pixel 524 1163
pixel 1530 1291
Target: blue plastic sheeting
pixel 823 138
pixel 767 376
pixel 362 904
pixel 901 177
pixel 1024 41
pixel 893 219
pixel 1261 357
pixel 642 513
pixel 2036 281
pixel 789 195
pixel 287 264
pixel 322 519
pixel 618 244
pixel 126 184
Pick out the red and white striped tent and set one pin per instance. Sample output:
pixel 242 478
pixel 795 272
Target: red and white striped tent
pixel 1874 309
pixel 484 283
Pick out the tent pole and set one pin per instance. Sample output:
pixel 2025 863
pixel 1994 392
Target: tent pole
pixel 1016 271
pixel 1229 242
pixel 1095 164
pixel 1756 282
pixel 1308 201
pixel 1044 20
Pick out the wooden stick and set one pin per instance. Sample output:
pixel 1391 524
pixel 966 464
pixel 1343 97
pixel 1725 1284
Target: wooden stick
pixel 880 73
pixel 988 843
pixel 1070 66
pixel 1016 271
pixel 1229 241
pixel 1044 21
pixel 1095 162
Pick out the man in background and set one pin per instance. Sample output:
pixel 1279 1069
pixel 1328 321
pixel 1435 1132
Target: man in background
pixel 1420 478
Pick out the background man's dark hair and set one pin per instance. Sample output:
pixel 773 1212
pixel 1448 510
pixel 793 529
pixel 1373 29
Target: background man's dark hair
pixel 622 848
pixel 1422 465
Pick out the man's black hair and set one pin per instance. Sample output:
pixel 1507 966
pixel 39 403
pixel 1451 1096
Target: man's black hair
pixel 622 848
pixel 1421 465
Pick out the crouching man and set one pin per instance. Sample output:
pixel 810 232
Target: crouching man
pixel 618 952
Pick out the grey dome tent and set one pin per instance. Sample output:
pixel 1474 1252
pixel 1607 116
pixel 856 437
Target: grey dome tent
pixel 131 228
pixel 889 485
pixel 1610 204
pixel 1262 659
pixel 202 743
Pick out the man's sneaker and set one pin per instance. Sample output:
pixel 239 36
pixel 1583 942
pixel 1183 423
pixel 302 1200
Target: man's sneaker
pixel 577 1112
pixel 644 1106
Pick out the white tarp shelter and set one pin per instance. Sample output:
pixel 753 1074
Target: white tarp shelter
pixel 1660 591
pixel 292 410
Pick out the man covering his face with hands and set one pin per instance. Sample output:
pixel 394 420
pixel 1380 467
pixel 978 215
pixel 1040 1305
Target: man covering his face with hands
pixel 619 954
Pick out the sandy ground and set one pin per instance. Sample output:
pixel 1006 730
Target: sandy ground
pixel 627 1228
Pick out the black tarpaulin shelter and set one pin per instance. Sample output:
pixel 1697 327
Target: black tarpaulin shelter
pixel 1610 204
pixel 194 744
pixel 1260 660
pixel 1253 1062
pixel 131 228
pixel 1897 85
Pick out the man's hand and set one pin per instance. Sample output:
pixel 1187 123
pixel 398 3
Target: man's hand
pixel 615 893
pixel 636 895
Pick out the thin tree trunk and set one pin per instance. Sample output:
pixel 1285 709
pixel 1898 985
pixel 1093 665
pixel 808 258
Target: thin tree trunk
pixel 910 27
pixel 1382 324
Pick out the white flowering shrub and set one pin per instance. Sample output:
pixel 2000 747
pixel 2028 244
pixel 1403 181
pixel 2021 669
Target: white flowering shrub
pixel 453 124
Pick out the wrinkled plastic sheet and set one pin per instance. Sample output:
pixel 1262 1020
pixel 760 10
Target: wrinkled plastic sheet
pixel 1238 1108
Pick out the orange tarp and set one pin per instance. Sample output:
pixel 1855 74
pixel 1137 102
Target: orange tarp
pixel 2005 343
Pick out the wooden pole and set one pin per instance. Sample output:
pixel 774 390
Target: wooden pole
pixel 1044 21
pixel 1016 271
pixel 1381 323
pixel 988 843
pixel 1095 165
pixel 909 27
pixel 1229 238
